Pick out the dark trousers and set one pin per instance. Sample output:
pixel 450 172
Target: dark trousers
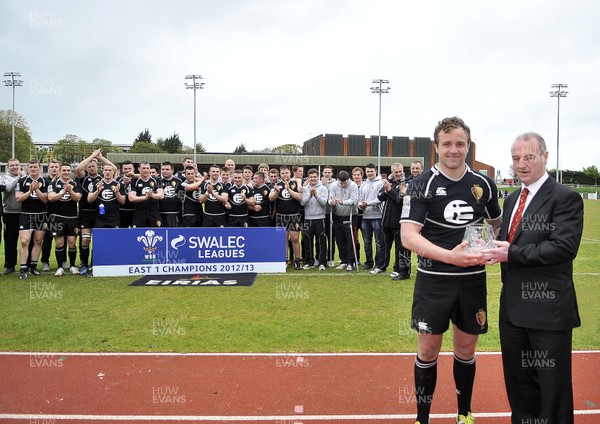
pixel 47 247
pixel 537 372
pixel 314 229
pixel 11 238
pixel 401 255
pixel 330 236
pixel 343 238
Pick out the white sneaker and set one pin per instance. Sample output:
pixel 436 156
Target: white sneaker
pixel 376 271
pixel 394 274
pixel 45 266
pixel 59 272
pixel 73 270
pixel 322 268
pixel 341 266
pixel 349 268
pixel 308 266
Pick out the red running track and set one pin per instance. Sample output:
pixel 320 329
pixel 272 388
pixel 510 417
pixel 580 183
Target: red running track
pixel 284 388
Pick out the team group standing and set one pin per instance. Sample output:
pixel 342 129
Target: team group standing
pixel 319 212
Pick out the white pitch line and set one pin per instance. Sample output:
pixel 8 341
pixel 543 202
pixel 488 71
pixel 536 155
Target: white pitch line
pixel 225 418
pixel 250 354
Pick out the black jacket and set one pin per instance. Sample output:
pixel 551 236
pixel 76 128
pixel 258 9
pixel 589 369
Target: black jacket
pixel 392 208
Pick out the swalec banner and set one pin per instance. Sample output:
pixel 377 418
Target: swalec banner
pixel 190 251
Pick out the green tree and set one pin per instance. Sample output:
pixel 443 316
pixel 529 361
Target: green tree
pixel 71 149
pixel 144 137
pixel 24 147
pixel 240 149
pixel 171 144
pixel 286 149
pixel 105 145
pixel 593 172
pixel 143 147
pixel 189 150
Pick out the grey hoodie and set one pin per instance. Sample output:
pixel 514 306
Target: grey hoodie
pixel 348 195
pixel 314 206
pixel 9 202
pixel 368 192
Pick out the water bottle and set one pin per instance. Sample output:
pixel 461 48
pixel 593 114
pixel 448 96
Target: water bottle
pixel 101 209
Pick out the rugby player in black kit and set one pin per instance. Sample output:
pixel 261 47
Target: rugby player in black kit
pixel 450 283
pixel 214 197
pixel 259 205
pixel 64 193
pixel 31 192
pixel 287 194
pixel 170 205
pixel 88 176
pixel 109 193
pixel 192 208
pixel 145 194
pixel 237 208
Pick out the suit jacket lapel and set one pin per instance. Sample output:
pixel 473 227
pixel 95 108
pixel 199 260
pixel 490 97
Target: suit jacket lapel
pixel 537 202
pixel 509 205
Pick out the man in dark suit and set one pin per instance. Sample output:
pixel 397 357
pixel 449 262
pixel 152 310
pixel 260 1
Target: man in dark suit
pixel 540 235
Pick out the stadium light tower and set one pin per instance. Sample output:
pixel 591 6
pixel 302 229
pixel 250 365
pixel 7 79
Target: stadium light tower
pixel 558 93
pixel 194 86
pixel 379 90
pixel 12 82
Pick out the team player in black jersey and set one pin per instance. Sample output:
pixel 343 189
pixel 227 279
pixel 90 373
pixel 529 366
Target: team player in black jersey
pixel 287 195
pixel 259 205
pixel 32 193
pixel 63 194
pixel 110 195
pixel 170 205
pixel 53 174
pixel 237 207
pixel 145 194
pixel 88 176
pixel 450 283
pixel 213 196
pixel 192 209
pixel 126 210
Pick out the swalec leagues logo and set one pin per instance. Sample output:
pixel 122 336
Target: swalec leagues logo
pixel 177 242
pixel 149 239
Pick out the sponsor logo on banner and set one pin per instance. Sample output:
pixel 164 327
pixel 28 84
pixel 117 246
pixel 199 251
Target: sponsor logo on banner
pixel 245 280
pixel 188 251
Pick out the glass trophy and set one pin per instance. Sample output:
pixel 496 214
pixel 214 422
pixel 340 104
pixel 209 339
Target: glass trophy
pixel 480 237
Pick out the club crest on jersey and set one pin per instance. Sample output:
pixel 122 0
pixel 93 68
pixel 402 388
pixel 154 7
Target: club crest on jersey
pixel 477 192
pixel 481 317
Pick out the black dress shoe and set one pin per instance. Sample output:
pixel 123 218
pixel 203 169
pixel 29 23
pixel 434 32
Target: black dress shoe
pixel 9 270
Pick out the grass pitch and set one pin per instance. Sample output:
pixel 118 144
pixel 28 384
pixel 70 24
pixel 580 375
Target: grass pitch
pixel 300 311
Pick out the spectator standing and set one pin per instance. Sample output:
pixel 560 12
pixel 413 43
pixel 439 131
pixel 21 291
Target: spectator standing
pixel 11 214
pixel 343 198
pixel 314 200
pixel 371 206
pixel 392 194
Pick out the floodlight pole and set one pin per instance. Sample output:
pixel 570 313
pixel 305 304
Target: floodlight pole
pixel 558 94
pixel 12 82
pixel 379 90
pixel 194 86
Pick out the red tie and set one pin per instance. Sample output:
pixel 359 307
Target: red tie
pixel 518 215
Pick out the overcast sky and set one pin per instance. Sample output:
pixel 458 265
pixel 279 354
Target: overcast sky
pixel 283 71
